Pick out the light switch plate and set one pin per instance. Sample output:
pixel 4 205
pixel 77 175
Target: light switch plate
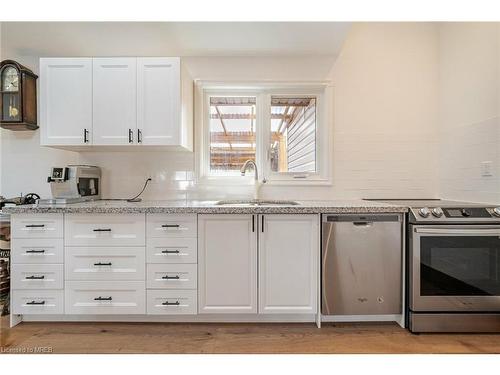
pixel 486 168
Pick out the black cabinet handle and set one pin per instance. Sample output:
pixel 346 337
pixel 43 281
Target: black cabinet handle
pixel 102 264
pixel 262 223
pixel 35 251
pixel 103 298
pixel 176 303
pixel 35 225
pixel 253 223
pixel 85 136
pixel 139 136
pixel 102 230
pixel 166 277
pixel 33 277
pixel 130 136
pixel 170 226
pixel 170 251
pixel 36 303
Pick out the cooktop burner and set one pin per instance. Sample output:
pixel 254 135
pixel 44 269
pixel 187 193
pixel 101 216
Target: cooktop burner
pixel 434 211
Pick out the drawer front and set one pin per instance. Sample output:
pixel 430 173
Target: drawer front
pixel 105 263
pixel 37 226
pixel 104 230
pixel 40 251
pixel 171 250
pixel 172 302
pixel 37 276
pixel 98 297
pixel 168 226
pixel 37 302
pixel 172 276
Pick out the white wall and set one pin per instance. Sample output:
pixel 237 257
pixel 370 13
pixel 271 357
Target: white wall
pixel 469 116
pixel 383 126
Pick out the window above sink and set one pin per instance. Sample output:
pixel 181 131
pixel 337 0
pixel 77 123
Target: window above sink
pixel 283 127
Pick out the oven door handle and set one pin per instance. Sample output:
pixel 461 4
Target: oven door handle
pixel 490 231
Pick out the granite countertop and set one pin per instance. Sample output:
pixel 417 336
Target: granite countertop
pixel 210 207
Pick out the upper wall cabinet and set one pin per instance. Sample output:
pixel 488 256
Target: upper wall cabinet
pixel 65 101
pixel 158 100
pixel 113 101
pixel 131 102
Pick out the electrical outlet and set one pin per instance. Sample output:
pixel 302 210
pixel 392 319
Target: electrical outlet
pixel 486 168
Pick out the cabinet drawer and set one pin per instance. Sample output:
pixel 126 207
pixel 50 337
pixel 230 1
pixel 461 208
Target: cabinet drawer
pixel 38 302
pixel 37 276
pixel 41 250
pixel 171 225
pixel 104 230
pixel 172 276
pixel 37 226
pixel 172 302
pixel 105 297
pixel 104 263
pixel 171 250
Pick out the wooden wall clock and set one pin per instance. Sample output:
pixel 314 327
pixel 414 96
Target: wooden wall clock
pixel 18 107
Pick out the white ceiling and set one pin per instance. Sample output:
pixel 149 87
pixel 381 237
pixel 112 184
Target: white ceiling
pixel 173 38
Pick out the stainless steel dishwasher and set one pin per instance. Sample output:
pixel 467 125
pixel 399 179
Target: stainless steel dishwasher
pixel 361 264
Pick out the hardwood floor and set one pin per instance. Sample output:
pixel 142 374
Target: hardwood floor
pixel 237 338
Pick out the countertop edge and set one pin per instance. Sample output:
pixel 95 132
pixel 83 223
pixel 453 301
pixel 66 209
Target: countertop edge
pixel 208 210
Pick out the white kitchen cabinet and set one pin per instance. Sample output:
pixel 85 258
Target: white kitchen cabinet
pixel 110 102
pixel 104 230
pixel 288 263
pixel 65 101
pixel 114 101
pixel 159 100
pixel 227 259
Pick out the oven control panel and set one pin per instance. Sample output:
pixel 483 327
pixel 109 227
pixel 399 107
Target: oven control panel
pixel 455 214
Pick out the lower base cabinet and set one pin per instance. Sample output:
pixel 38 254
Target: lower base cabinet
pixel 283 250
pixel 288 264
pixel 37 302
pixel 227 264
pixel 172 302
pixel 105 297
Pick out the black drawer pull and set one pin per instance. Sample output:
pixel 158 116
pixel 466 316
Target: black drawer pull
pixel 35 251
pixel 103 298
pixel 33 277
pixel 166 277
pixel 102 264
pixel 102 230
pixel 170 226
pixel 35 225
pixel 36 303
pixel 170 251
pixel 176 303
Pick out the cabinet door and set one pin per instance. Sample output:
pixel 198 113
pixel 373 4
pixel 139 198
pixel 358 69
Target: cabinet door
pixel 65 101
pixel 288 263
pixel 158 100
pixel 227 264
pixel 114 101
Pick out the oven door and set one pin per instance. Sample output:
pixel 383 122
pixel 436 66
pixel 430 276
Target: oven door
pixel 455 268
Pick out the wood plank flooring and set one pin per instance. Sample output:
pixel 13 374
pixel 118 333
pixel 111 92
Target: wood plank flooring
pixel 238 338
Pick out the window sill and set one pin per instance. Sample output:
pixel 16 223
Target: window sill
pixel 299 182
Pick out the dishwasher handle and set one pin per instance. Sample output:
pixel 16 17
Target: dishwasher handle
pixel 362 220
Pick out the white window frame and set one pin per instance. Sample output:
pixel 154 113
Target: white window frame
pixel 263 93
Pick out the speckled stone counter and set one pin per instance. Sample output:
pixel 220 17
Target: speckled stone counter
pixel 210 207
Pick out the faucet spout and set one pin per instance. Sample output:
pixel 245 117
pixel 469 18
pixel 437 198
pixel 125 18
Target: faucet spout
pixel 246 165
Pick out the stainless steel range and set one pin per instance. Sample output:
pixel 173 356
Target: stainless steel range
pixel 453 266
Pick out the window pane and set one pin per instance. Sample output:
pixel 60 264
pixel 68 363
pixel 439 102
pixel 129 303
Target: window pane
pixel 293 134
pixel 232 133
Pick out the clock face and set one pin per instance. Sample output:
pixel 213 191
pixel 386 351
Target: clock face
pixel 10 79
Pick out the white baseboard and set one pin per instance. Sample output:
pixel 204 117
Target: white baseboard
pixel 208 318
pixel 362 318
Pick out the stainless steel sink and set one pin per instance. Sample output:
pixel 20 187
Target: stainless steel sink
pixel 256 202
